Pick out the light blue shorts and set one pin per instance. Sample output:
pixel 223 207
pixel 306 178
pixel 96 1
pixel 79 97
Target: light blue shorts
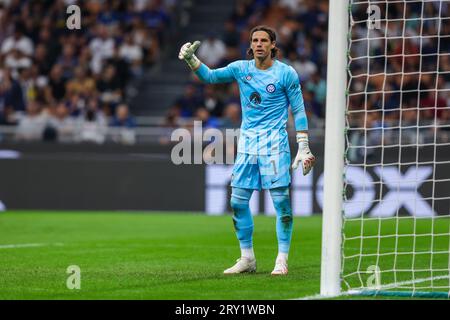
pixel 261 171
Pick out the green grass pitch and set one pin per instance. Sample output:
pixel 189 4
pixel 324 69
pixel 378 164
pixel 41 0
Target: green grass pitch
pixel 148 256
pixel 156 256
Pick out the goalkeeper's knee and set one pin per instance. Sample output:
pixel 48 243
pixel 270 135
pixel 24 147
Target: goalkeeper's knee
pixel 282 203
pixel 240 199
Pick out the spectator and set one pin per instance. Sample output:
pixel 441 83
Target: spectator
pixel 5 27
pixel 123 118
pixel 317 86
pixel 17 50
pixel 53 47
pixel 304 67
pixel 433 105
pixel 5 105
pixel 155 17
pixel 292 5
pixel 64 125
pixel 102 48
pixel 57 84
pixel 41 59
pixel 203 115
pixel 109 87
pixel 11 96
pixel 148 41
pixel 313 105
pixel 122 68
pixel 81 83
pixel 188 103
pixel 125 123
pixel 92 128
pixel 231 55
pixel 31 126
pixel 130 51
pixel 212 50
pixel 68 61
pixel 93 104
pixel 240 14
pixel 18 42
pixel 75 104
pixel 109 14
pixel 132 54
pixel 410 134
pixel 171 122
pixel 232 116
pixel 172 118
pixel 233 94
pixel 212 102
pixel 443 126
pixel 84 60
pixel 16 60
pixel 231 36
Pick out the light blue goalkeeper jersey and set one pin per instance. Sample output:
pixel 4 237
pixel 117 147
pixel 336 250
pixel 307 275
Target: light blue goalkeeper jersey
pixel 265 98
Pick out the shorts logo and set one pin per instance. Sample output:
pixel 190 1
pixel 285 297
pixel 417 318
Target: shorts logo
pixel 270 88
pixel 255 98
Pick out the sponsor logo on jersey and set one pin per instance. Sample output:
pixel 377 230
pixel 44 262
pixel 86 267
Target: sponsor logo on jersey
pixel 270 88
pixel 255 98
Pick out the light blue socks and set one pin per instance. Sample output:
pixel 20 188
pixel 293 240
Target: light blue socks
pixel 242 218
pixel 282 204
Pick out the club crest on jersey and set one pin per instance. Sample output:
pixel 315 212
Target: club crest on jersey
pixel 270 88
pixel 248 77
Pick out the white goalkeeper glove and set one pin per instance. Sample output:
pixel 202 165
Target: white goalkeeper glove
pixel 187 54
pixel 304 155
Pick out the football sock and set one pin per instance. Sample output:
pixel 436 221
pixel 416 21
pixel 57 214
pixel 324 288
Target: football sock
pixel 242 218
pixel 282 257
pixel 248 253
pixel 282 204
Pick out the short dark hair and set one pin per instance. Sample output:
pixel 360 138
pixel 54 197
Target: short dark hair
pixel 272 36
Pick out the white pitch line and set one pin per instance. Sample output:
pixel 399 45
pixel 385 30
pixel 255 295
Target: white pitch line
pixel 403 283
pixel 314 297
pixel 383 287
pixel 319 297
pixel 28 245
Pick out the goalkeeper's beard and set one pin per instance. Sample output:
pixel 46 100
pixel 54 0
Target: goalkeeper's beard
pixel 263 59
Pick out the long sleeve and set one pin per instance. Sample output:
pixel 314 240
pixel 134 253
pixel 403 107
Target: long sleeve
pixel 219 75
pixel 295 96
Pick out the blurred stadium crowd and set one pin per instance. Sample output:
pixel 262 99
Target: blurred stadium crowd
pixel 71 86
pixel 399 90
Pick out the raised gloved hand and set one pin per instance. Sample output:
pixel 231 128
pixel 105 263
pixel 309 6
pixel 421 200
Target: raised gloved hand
pixel 304 155
pixel 187 54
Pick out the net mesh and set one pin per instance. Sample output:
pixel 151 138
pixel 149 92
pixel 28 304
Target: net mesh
pixel 396 228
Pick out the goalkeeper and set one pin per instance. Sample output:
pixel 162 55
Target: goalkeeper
pixel 267 88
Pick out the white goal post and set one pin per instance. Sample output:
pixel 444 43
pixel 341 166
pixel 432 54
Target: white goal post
pixel 334 148
pixel 386 213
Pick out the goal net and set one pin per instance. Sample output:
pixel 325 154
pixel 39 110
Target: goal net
pixel 396 206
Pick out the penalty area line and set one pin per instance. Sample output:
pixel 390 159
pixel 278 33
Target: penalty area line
pixel 29 245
